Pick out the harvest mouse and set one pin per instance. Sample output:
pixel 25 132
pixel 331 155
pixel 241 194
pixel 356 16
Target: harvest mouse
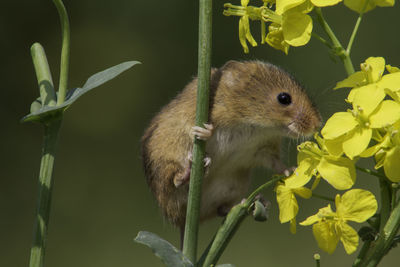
pixel 253 105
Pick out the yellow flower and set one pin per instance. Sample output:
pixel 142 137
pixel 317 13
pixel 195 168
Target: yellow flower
pixel 322 3
pixel 314 161
pixel 245 12
pixel 387 152
pixel 351 131
pixel 369 84
pixel 286 198
pixel 371 72
pixel 358 5
pixel 291 26
pixel 329 227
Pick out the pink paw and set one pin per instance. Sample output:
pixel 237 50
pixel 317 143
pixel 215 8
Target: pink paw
pixel 202 133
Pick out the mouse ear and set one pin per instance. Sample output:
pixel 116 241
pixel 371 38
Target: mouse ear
pixel 231 64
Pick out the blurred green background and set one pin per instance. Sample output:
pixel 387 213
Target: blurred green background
pixel 100 198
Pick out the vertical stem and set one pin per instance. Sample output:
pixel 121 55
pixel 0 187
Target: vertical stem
pixel 64 65
pixel 344 56
pixel 386 201
pixel 353 34
pixel 385 239
pixel 44 193
pixel 197 171
pixel 363 252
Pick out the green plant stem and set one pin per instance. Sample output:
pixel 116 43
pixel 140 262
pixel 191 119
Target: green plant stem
pixel 394 188
pixel 386 200
pixel 343 55
pixel 317 262
pixel 64 65
pixel 202 105
pixel 377 174
pixel 355 30
pixel 230 225
pixel 43 75
pixel 51 130
pixel 322 197
pixel 385 239
pixel 363 252
pixel 322 40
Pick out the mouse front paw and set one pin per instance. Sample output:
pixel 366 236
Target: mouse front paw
pixel 202 133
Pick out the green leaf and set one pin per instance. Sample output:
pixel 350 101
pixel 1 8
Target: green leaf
pixel 225 265
pixel 94 81
pixel 169 255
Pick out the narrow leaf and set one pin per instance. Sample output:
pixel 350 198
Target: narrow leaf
pixel 169 255
pixel 108 74
pixel 73 94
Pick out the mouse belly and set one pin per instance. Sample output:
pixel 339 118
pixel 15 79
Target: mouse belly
pixel 221 191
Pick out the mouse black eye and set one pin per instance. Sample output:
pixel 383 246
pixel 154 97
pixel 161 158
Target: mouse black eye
pixel 284 99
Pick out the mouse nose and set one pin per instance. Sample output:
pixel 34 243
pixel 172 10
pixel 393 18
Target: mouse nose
pixel 309 122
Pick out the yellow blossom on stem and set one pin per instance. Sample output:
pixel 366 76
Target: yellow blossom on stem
pixel 290 24
pixel 387 153
pixel 288 206
pixel 351 131
pixel 330 227
pixel 245 13
pixel 323 3
pixel 315 161
pixel 359 5
pixel 370 86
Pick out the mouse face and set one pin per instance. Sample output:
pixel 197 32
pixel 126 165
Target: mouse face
pixel 264 95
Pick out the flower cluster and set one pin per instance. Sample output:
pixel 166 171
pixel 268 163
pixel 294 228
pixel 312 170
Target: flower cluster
pixel 370 129
pixel 289 22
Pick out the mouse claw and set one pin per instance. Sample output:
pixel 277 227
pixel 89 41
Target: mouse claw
pixel 202 133
pixel 207 161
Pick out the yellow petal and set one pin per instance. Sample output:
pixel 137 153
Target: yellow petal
pixel 338 172
pixel 392 164
pixel 322 3
pixel 297 28
pixel 287 202
pixel 357 5
pixel 284 5
pixel 303 192
pixel 339 124
pixel 275 38
pixel 335 146
pixel 392 69
pixel 390 81
pixel 368 98
pixel 387 113
pixel 377 65
pixel 357 141
pixel 384 3
pixel 349 237
pixel 380 157
pixel 356 79
pixel 356 205
pixel 326 211
pixel 301 175
pixel 326 236
pixel 242 34
pixel 244 2
pixel 248 35
pixel 316 182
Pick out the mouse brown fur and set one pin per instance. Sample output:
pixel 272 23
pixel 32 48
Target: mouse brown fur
pixel 249 123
